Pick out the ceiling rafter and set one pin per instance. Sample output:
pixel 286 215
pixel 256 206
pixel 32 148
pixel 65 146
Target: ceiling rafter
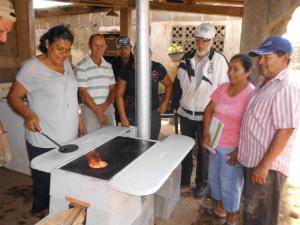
pixel 199 8
pixel 215 7
pixel 68 10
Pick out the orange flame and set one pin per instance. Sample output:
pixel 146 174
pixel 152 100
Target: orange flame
pixel 95 161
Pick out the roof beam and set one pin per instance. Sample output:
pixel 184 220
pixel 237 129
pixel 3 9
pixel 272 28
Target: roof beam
pixel 116 4
pixel 67 10
pixel 219 2
pixel 198 8
pixel 190 6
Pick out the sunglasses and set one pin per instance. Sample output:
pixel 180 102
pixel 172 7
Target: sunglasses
pixel 203 39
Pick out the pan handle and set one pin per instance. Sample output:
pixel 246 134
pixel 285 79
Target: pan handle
pixel 50 139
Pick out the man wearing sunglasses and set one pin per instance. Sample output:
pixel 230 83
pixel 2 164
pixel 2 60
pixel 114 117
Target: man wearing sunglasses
pixel 200 72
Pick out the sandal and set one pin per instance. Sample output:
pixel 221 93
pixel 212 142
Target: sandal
pixel 213 212
pixel 218 213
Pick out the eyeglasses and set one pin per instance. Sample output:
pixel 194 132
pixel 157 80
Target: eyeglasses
pixel 203 39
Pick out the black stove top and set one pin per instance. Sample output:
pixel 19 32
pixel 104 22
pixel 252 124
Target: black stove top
pixel 118 153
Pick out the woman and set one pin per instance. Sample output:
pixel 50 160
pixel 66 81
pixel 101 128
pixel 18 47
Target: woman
pixel 50 85
pixel 228 104
pixel 125 96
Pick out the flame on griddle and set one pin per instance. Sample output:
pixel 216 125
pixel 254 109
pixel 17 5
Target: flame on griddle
pixel 95 161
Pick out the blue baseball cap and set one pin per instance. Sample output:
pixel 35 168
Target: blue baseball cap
pixel 272 44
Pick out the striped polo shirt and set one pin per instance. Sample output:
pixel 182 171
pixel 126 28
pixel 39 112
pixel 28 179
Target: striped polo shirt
pixel 96 79
pixel 275 105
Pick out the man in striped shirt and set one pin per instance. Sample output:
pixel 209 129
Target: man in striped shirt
pixel 268 132
pixel 96 86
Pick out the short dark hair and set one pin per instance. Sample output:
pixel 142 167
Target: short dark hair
pixel 245 60
pixel 282 53
pixel 53 34
pixel 95 35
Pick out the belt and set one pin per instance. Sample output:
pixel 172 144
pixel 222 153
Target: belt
pixel 192 113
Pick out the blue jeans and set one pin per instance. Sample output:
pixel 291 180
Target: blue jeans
pixel 225 181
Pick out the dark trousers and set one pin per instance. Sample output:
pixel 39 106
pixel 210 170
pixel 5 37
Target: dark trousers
pixel 155 123
pixel 261 201
pixel 194 129
pixel 40 180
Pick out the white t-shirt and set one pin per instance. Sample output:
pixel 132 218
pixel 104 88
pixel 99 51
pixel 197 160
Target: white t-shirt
pixel 53 97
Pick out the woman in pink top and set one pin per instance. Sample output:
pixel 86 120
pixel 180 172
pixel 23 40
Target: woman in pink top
pixel 228 104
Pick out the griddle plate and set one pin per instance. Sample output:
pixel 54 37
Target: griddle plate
pixel 118 153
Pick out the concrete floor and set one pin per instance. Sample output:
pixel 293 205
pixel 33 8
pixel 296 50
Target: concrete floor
pixel 16 198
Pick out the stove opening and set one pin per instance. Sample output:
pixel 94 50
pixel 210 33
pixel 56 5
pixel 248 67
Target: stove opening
pixel 95 161
pixel 115 155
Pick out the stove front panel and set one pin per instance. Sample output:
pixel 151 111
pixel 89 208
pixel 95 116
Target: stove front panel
pixel 118 153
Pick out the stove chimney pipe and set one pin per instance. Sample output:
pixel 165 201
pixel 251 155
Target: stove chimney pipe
pixel 143 85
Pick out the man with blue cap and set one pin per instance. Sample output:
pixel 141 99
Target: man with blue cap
pixel 268 132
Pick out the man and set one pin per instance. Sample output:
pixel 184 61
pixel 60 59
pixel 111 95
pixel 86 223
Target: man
pixel 7 20
pixel 125 55
pixel 124 58
pixel 96 86
pixel 126 95
pixel 268 132
pixel 200 72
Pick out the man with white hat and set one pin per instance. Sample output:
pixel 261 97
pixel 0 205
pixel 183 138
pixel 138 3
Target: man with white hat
pixel 200 72
pixel 7 19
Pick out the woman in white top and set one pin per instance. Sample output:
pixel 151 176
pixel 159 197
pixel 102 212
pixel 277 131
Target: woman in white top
pixel 50 85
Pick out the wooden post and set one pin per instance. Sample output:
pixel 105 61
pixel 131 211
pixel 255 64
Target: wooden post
pixel 125 21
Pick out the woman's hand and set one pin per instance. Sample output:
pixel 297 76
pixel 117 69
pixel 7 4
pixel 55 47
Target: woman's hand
pixel 1 128
pixel 32 122
pixel 206 141
pixel 102 118
pixel 232 161
pixel 124 122
pixel 163 107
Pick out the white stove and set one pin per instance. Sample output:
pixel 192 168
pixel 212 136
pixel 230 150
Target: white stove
pixel 147 183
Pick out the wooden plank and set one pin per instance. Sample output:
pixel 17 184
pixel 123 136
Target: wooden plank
pixel 116 4
pixel 58 218
pixel 68 10
pixel 220 2
pixel 74 201
pixel 198 8
pixel 215 7
pixel 80 218
pixel 73 216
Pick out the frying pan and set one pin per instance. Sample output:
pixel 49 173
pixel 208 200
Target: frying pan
pixel 62 148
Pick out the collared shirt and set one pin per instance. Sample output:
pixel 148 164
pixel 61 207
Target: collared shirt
pixel 274 105
pixel 199 69
pixel 96 79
